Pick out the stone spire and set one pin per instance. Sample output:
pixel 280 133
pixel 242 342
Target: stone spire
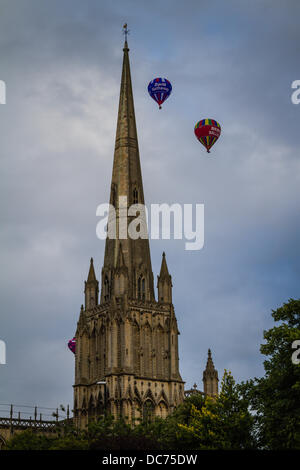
pixel 127 189
pixel 91 275
pixel 164 282
pixel 164 273
pixel 91 288
pixel 210 377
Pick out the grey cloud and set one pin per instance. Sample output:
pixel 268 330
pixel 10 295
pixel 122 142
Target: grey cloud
pixel 62 65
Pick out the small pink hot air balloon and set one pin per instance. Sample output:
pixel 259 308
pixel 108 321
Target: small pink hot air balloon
pixel 72 345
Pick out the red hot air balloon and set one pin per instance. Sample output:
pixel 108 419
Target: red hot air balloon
pixel 207 132
pixel 72 345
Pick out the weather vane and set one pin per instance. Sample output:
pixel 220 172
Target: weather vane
pixel 125 31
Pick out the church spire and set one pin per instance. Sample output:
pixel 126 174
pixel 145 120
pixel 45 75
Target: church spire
pixel 210 377
pixel 127 189
pixel 164 273
pixel 126 361
pixel 91 288
pixel 91 275
pixel 164 282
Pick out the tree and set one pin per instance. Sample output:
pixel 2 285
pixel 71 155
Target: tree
pixel 116 434
pixel 224 421
pixel 275 398
pixel 166 433
pixel 69 442
pixel 28 440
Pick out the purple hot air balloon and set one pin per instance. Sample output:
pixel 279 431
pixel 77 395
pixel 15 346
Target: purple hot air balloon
pixel 72 345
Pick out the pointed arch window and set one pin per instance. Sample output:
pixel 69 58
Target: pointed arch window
pixel 106 289
pixel 163 410
pixel 135 196
pixel 141 288
pixel 148 411
pixel 114 195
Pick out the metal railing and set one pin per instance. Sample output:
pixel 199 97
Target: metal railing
pixel 13 417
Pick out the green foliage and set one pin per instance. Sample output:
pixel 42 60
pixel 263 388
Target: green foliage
pixel 223 422
pixel 69 442
pixel 66 438
pixel 165 433
pixel 275 398
pixel 107 427
pixel 108 433
pixel 28 440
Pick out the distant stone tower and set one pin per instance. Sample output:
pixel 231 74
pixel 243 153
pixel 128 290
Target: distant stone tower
pixel 210 377
pixel 126 360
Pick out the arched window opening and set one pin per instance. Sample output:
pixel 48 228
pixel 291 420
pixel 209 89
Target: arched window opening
pixel 162 410
pixel 106 289
pixel 148 411
pixel 91 410
pixel 102 352
pixel 147 348
pixel 135 196
pixel 114 196
pixel 160 352
pixel 136 348
pixel 141 288
pixel 100 410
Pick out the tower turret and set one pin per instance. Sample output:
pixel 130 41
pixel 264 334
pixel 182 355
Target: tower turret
pixel 210 377
pixel 91 288
pixel 164 283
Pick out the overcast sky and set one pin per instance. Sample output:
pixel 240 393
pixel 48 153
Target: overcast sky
pixel 233 61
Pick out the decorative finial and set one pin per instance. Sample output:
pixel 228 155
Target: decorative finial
pixel 125 31
pixel 195 385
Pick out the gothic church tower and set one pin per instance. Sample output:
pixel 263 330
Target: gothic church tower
pixel 126 360
pixel 210 377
